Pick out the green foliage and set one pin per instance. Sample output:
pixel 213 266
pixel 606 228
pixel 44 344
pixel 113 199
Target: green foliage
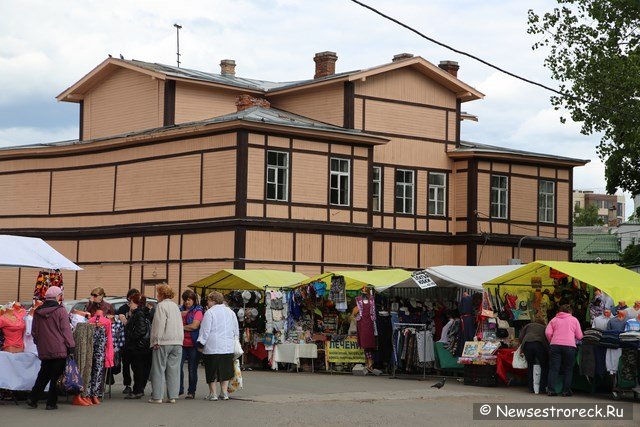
pixel 587 216
pixel 594 54
pixel 631 256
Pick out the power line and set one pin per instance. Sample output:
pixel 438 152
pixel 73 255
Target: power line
pixel 487 63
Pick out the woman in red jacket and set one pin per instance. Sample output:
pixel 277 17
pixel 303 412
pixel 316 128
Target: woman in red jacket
pixel 52 336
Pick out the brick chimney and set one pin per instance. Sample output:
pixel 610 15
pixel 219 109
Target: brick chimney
pixel 247 101
pixel 325 64
pixel 228 67
pixel 401 56
pixel 450 67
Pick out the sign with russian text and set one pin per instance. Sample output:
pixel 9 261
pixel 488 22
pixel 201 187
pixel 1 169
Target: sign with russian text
pixel 423 280
pixel 345 351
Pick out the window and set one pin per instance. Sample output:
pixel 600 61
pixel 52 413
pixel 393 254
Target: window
pixel 404 191
pixel 437 191
pixel 377 180
pixel 619 209
pixel 499 196
pixel 546 201
pixel 277 175
pixel 340 182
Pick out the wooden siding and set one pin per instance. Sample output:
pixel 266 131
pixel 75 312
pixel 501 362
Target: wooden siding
pixel 268 245
pixel 493 255
pixel 360 176
pixel 9 285
pixel 196 102
pixel 309 178
pixel 219 177
pixel 208 245
pixel 123 102
pixel 406 84
pixel 484 194
pixel 563 202
pixel 104 250
pixel 404 119
pixel 325 104
pixel 157 183
pixel 524 199
pixel 552 255
pixel 434 255
pixel 256 174
pixel 308 247
pixel 24 193
pixel 155 248
pixel 380 253
pixel 83 190
pixel 404 255
pixel 412 153
pixel 345 250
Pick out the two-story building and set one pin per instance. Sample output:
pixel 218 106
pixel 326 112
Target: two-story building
pixel 178 173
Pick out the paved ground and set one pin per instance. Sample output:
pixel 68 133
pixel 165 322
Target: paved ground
pixel 283 399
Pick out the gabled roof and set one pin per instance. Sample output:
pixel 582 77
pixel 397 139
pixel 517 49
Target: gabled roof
pixel 161 71
pixel 254 117
pixel 475 149
pixel 596 247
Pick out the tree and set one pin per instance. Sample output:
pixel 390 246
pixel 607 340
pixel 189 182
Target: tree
pixel 587 216
pixel 594 54
pixel 630 256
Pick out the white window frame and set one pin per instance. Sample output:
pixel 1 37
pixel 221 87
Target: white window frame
pixel 340 175
pixel 502 199
pixel 405 191
pixel 546 201
pixel 439 206
pixel 278 170
pixel 377 196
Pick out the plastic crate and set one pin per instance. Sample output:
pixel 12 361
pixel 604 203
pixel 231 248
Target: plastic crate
pixel 480 375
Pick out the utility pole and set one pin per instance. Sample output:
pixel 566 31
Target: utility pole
pixel 178 28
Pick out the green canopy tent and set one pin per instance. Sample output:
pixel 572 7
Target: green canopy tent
pixel 358 279
pixel 617 282
pixel 252 280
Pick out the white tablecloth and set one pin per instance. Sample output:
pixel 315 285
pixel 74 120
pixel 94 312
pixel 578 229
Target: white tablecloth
pixel 291 353
pixel 18 371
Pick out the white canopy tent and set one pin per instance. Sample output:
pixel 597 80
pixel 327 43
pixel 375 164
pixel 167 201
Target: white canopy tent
pixel 463 276
pixel 18 251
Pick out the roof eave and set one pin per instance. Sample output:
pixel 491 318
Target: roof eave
pixel 75 93
pixel 529 158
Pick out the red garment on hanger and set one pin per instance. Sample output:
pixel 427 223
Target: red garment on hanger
pixel 103 321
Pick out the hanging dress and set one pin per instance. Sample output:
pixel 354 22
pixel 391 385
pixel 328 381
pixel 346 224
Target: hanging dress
pixel 365 321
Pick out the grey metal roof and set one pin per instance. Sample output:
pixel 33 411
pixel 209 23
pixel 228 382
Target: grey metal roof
pixel 485 148
pixel 241 82
pixel 272 116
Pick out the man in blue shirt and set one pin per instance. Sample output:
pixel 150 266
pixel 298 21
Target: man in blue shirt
pixel 633 324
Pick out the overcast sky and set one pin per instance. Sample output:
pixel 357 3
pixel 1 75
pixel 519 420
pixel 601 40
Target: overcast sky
pixel 45 46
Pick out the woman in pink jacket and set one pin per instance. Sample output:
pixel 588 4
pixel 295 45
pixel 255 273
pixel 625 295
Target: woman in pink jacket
pixel 562 333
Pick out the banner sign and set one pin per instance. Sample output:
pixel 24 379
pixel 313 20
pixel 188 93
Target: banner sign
pixel 423 280
pixel 346 351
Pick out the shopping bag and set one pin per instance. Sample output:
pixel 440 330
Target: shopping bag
pixel 237 349
pixel 71 382
pixel 236 383
pixel 519 362
pixel 537 373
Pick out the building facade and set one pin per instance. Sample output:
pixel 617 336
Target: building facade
pixel 611 207
pixel 178 173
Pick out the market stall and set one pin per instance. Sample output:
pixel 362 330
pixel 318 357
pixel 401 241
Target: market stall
pixel 608 356
pixel 425 309
pixel 258 299
pixel 19 363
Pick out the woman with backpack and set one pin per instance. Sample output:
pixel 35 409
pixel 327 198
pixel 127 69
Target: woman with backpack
pixel 192 314
pixel 137 344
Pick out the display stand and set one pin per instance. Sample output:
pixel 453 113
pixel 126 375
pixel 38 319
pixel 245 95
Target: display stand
pixel 419 327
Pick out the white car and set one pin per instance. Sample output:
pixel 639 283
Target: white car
pixel 116 302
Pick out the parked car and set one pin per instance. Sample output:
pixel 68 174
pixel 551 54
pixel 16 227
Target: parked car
pixel 116 302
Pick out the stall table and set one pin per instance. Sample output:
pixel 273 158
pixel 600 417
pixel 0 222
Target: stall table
pixel 18 371
pixel 292 353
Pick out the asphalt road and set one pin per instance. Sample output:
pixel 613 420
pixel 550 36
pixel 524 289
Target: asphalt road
pixel 287 399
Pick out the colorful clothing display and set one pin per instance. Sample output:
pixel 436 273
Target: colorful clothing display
pixel 83 337
pixel 13 326
pixel 106 323
pixel 45 280
pixel 96 386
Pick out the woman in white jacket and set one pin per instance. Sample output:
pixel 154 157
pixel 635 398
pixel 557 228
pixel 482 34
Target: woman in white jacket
pixel 218 332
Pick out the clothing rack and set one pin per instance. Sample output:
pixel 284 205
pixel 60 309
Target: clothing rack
pixel 419 327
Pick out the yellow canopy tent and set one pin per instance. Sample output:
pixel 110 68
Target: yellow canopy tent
pixel 251 280
pixel 358 279
pixel 619 283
